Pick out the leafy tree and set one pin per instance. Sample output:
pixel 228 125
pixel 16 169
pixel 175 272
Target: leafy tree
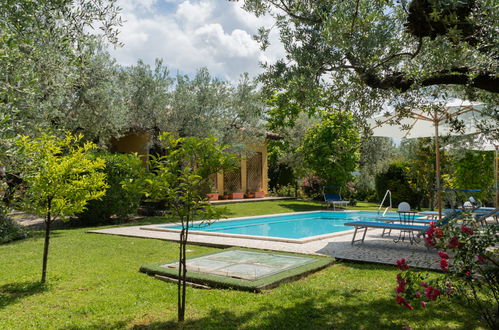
pixel 42 44
pixel 331 148
pixel 178 178
pixel 286 163
pixel 61 176
pixel 395 179
pixel 148 96
pixel 474 170
pixel 120 201
pixel 375 155
pixel 364 52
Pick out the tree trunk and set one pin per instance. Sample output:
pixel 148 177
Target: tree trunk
pixel 184 273
pixel 48 221
pixel 180 282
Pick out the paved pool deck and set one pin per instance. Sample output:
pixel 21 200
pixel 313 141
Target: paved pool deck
pixel 375 249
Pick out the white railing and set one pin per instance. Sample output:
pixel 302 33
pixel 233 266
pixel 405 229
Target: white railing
pixel 389 194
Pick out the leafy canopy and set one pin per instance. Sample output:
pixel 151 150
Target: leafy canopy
pixel 366 53
pixel 61 175
pixel 331 148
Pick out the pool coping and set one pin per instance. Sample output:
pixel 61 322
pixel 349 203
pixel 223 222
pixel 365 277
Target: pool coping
pixel 263 238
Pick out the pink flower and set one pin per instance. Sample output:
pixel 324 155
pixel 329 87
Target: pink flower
pixel 443 255
pixel 418 294
pixel 424 284
pixel 423 304
pixel 466 230
pixel 454 242
pixel 400 300
pixel 468 273
pixel 439 233
pixel 399 278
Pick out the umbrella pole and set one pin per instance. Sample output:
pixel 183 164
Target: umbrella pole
pixel 437 155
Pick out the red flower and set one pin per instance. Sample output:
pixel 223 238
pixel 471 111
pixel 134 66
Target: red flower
pixel 402 264
pixel 424 284
pixel 431 293
pixel 423 304
pixel 439 233
pixel 480 259
pixel 466 230
pixel 399 300
pixel 406 304
pixel 468 273
pixel 443 255
pixel 429 241
pixel 400 288
pixel 454 242
pixel 444 265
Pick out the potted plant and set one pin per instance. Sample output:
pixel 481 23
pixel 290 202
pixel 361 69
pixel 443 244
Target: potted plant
pixel 236 195
pixel 225 195
pixel 250 194
pixel 259 194
pixel 212 196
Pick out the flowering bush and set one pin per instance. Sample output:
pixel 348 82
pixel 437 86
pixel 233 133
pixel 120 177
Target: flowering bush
pixel 468 254
pixel 312 186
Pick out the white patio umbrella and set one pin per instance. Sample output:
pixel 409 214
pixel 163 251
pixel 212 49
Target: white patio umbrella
pixel 431 121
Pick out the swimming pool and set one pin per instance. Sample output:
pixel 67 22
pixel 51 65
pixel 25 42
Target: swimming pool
pixel 291 227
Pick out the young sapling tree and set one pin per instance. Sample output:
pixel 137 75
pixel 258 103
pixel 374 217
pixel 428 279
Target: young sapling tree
pixel 60 177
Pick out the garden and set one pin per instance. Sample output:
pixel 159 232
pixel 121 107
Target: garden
pixel 88 144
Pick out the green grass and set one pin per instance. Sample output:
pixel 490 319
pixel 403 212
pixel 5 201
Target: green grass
pixel 94 282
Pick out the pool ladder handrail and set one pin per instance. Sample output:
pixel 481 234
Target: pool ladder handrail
pixel 389 194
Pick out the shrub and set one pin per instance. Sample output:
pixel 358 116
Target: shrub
pixel 395 179
pixel 119 202
pixel 289 190
pixel 312 187
pixel 9 229
pixel 469 261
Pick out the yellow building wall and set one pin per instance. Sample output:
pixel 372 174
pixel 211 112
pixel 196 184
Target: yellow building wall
pixel 133 143
pixel 139 143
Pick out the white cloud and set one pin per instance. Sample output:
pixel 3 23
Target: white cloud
pixel 192 34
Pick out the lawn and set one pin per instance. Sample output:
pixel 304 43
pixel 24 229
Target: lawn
pixel 94 282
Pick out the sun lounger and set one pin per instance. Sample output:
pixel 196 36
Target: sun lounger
pixel 335 199
pixel 383 225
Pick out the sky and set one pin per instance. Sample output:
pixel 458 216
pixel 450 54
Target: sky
pixel 190 34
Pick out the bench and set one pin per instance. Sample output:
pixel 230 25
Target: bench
pixel 383 225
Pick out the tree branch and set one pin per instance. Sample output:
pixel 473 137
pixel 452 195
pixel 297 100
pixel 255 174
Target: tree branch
pixel 484 80
pixel 411 55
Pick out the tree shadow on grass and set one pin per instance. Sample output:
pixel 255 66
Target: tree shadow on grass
pixel 12 292
pixel 350 310
pixel 298 207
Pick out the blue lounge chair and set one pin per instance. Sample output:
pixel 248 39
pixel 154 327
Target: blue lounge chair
pixel 382 225
pixel 335 199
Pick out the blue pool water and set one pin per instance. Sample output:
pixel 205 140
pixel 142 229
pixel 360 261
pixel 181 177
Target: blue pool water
pixel 294 226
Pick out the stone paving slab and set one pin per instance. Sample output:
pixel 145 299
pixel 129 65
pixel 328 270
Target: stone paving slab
pixel 375 249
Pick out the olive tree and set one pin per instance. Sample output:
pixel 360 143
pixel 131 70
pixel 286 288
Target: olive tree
pixel 366 53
